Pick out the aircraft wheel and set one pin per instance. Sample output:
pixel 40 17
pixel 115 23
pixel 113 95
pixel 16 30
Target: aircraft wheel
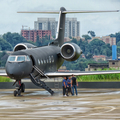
pixel 15 93
pixel 22 87
pixel 19 92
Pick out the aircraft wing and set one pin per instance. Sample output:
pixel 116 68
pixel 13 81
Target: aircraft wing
pixel 81 73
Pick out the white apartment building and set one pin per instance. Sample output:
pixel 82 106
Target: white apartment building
pixel 46 24
pixel 72 26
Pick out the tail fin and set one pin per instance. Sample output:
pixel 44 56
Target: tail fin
pixel 61 24
pixel 61 27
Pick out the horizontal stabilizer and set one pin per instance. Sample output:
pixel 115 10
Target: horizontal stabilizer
pixel 90 11
pixel 65 12
pixel 47 12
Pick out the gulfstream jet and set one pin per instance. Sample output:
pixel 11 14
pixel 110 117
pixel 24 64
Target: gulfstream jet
pixel 34 62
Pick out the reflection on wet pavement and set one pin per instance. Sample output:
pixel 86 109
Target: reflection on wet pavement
pixel 90 104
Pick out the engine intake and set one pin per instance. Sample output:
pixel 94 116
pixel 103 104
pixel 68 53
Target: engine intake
pixel 70 51
pixel 22 46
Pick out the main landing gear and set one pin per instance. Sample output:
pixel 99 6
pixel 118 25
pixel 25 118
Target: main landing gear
pixel 20 87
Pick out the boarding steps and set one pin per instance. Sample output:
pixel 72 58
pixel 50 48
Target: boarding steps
pixel 36 79
pixel 56 83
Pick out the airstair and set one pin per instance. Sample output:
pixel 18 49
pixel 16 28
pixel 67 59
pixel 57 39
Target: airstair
pixel 36 79
pixel 56 83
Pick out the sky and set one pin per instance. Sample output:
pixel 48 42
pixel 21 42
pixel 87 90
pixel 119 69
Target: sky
pixel 101 23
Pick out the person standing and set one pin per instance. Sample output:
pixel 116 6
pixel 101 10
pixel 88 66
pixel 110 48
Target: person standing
pixel 69 86
pixel 74 84
pixel 64 85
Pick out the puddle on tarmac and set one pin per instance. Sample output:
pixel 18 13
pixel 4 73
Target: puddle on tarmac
pixel 9 105
pixel 38 93
pixel 80 109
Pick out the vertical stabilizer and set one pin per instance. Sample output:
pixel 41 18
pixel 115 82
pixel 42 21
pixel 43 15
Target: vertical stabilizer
pixel 61 27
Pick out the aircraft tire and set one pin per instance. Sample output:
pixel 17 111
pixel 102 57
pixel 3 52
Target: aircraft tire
pixel 15 93
pixel 22 87
pixel 19 92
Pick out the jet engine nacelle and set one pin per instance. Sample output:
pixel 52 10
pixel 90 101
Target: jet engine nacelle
pixel 22 46
pixel 70 51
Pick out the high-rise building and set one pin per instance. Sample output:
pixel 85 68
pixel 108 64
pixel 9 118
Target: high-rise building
pixel 72 26
pixel 46 24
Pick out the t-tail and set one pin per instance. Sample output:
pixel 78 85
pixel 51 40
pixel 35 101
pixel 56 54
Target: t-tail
pixel 61 27
pixel 61 22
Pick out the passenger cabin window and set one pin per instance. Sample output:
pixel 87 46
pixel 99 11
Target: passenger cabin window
pixel 41 62
pixel 49 59
pixel 52 58
pixel 44 61
pixel 38 61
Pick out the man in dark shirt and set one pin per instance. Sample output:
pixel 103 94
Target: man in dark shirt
pixel 64 84
pixel 74 84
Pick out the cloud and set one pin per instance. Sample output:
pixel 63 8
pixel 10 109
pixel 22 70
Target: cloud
pixel 102 23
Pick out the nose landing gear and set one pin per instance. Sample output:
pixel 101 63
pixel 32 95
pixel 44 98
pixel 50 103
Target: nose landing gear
pixel 20 87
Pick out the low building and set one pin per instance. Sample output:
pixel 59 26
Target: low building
pixel 114 64
pixel 32 34
pixel 83 56
pixel 109 40
pixel 106 39
pixel 99 57
pixel 96 66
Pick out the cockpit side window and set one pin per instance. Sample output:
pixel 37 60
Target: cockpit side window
pixel 27 58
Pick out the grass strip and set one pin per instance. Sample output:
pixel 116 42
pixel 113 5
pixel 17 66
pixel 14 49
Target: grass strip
pixel 5 79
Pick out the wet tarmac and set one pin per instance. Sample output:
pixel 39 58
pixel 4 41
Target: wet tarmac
pixel 90 104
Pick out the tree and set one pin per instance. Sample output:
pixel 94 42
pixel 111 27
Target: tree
pixel 96 52
pixel 117 35
pixel 89 56
pixel 46 37
pixel 38 41
pixel 118 50
pixel 4 45
pixel 118 44
pixel 99 47
pixel 74 40
pixel 3 58
pixel 92 33
pixel 97 42
pixel 14 38
pixel 87 37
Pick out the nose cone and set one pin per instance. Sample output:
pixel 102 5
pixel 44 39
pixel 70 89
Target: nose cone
pixel 18 70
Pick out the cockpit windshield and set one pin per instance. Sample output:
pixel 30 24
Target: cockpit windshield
pixel 11 58
pixel 18 58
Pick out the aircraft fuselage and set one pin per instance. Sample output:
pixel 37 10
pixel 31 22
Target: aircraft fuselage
pixel 46 58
